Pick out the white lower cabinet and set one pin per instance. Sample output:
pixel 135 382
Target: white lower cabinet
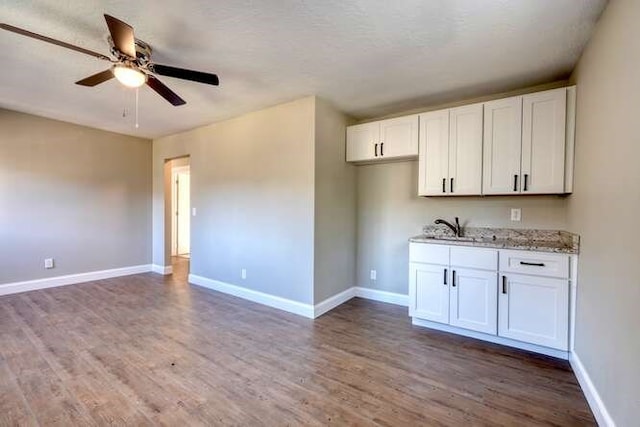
pixel 476 289
pixel 473 300
pixel 535 310
pixel 429 296
pixel 457 290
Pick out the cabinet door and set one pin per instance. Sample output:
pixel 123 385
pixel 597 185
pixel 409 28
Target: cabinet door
pixel 429 292
pixel 361 142
pixel 534 309
pixel 465 150
pixel 399 137
pixel 433 167
pixel 474 300
pixel 502 146
pixel 543 141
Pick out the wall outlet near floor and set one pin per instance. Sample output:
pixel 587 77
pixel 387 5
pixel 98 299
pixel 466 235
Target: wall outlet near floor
pixel 373 275
pixel 48 263
pixel 516 214
pixel 243 273
pixel 193 211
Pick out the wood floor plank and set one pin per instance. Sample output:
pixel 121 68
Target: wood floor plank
pixel 14 409
pixel 152 350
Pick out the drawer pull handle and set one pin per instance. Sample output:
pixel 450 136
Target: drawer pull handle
pixel 376 150
pixel 533 264
pixel 452 185
pixel 504 284
pixel 526 178
pixel 515 182
pixel 453 278
pixel 444 184
pixel 382 149
pixel 445 277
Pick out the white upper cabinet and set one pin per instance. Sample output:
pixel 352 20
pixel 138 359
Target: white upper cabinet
pixel 543 141
pixel 519 145
pixel 451 152
pixel 361 140
pixel 383 140
pixel 502 146
pixel 399 137
pixel 433 167
pixel 465 150
pixel 526 143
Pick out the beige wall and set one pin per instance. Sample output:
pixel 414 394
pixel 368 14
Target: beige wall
pixel 252 183
pixel 335 206
pixel 72 193
pixel 604 210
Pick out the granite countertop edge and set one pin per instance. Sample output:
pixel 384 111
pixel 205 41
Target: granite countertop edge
pixel 498 244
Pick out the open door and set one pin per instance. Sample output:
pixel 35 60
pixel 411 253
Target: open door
pixel 180 208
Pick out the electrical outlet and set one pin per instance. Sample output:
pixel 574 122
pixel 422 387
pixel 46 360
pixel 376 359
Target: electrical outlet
pixel 193 211
pixel 48 263
pixel 373 275
pixel 243 273
pixel 516 214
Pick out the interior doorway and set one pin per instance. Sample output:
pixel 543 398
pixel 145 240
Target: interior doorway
pixel 181 208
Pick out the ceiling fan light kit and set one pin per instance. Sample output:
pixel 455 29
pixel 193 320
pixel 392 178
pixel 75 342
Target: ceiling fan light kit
pixel 132 65
pixel 129 76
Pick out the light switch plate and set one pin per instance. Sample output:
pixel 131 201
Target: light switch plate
pixel 373 275
pixel 193 211
pixel 48 263
pixel 243 273
pixel 516 214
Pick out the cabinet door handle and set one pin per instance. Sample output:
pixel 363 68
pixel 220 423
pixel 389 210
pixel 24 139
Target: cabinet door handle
pixel 515 182
pixel 382 149
pixel 445 277
pixel 453 278
pixel 444 184
pixel 533 264
pixel 376 150
pixel 526 178
pixel 504 284
pixel 452 185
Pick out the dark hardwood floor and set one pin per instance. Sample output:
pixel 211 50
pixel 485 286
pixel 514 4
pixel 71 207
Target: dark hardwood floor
pixel 148 349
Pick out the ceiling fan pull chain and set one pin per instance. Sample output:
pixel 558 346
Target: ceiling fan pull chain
pixel 137 94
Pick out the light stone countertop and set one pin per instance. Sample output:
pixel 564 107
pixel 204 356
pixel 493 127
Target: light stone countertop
pixel 557 241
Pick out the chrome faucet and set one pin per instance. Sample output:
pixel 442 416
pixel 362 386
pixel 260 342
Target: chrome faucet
pixel 457 230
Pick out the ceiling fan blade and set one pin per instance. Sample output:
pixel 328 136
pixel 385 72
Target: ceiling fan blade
pixel 181 73
pixel 96 79
pixel 53 41
pixel 122 35
pixel 164 91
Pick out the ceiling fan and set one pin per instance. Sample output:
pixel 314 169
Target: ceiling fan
pixel 132 65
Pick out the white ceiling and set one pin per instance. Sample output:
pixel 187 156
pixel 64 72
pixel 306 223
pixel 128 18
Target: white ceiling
pixel 368 57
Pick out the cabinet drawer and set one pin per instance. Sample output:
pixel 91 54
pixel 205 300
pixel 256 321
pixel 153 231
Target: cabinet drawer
pixel 479 258
pixel 535 263
pixel 429 254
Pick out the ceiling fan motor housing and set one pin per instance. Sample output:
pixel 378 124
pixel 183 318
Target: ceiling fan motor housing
pixel 143 52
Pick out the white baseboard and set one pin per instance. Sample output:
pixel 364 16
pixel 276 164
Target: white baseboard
pixel 603 417
pixel 306 310
pixel 285 304
pixel 334 301
pixel 491 338
pixel 162 269
pixel 383 296
pixel 51 282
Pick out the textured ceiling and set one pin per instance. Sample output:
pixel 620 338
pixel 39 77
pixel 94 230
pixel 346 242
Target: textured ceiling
pixel 368 57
